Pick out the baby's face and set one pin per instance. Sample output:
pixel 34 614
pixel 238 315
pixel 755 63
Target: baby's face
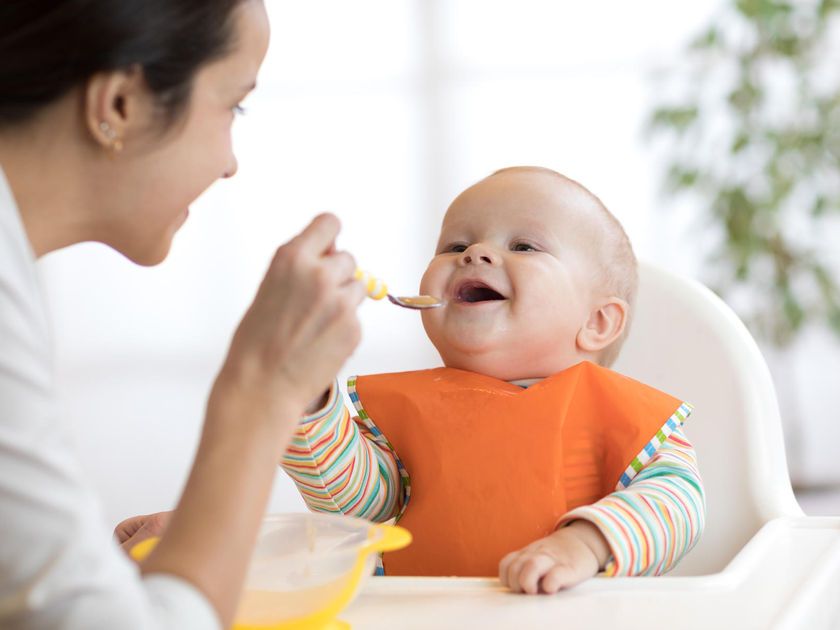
pixel 515 265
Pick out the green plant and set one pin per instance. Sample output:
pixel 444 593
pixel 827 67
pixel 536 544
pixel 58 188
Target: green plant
pixel 753 137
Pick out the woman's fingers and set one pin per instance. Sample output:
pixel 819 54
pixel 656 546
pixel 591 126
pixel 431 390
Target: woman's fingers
pixel 345 267
pixel 310 295
pixel 302 325
pixel 311 276
pixel 345 330
pixel 319 236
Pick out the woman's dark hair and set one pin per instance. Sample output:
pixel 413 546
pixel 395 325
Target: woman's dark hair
pixel 49 47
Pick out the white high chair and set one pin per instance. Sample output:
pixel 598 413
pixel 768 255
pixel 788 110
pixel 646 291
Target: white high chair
pixel 760 562
pixel 686 341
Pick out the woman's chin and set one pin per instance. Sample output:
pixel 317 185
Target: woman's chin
pixel 148 256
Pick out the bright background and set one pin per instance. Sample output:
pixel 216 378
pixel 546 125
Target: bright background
pixel 380 111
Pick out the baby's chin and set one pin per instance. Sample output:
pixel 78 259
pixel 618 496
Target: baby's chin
pixel 500 356
pixel 503 368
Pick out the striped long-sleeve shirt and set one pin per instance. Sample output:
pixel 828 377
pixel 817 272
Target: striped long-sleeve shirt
pixel 340 465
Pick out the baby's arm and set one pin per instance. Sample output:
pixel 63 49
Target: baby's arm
pixel 338 467
pixel 645 528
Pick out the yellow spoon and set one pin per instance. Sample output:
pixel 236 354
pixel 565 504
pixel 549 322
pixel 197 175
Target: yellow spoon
pixel 376 289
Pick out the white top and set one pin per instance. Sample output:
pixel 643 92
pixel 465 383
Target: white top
pixel 59 565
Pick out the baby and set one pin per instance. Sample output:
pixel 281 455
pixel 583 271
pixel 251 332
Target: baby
pixel 525 456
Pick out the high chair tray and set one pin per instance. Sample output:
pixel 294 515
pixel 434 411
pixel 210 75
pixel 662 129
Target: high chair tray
pixel 786 577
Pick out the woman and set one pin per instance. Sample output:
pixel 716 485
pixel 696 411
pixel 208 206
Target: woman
pixel 114 116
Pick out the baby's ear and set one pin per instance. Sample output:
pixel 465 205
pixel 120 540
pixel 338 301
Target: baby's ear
pixel 605 325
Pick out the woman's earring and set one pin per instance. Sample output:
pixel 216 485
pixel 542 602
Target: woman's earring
pixel 116 144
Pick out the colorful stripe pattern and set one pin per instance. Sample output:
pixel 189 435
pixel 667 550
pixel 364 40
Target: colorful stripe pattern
pixel 658 517
pixel 377 436
pixel 654 517
pixel 338 466
pixel 652 447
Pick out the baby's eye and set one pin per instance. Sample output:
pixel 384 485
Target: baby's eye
pixel 455 248
pixel 523 247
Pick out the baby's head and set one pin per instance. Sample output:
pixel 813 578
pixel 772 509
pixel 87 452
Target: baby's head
pixel 537 276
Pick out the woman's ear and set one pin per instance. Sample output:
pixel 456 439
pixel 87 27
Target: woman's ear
pixel 115 104
pixel 604 325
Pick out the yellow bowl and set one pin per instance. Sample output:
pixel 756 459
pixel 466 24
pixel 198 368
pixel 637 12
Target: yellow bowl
pixel 306 568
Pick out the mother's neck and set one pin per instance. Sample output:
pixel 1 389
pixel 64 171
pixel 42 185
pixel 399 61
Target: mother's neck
pixel 47 165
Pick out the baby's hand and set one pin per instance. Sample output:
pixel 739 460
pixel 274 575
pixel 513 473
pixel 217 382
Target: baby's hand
pixel 565 558
pixel 138 528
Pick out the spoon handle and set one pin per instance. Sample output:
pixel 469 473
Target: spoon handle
pixel 376 289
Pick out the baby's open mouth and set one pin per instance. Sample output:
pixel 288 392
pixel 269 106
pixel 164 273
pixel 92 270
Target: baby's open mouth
pixel 477 292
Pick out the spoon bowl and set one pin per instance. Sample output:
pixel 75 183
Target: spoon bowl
pixel 376 290
pixel 416 302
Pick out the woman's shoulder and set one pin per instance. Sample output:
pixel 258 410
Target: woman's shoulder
pixel 24 326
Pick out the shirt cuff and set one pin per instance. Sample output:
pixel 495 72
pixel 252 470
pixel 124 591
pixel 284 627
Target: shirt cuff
pixel 179 604
pixel 329 408
pixel 592 515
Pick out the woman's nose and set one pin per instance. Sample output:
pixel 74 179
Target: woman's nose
pixel 478 254
pixel 230 171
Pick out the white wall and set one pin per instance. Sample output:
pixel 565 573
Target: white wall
pixel 380 111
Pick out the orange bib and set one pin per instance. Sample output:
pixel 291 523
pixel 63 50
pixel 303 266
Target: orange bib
pixel 493 466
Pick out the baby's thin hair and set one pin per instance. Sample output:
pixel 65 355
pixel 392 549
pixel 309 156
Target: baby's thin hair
pixel 618 271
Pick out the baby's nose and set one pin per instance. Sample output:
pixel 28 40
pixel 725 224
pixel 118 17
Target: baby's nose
pixel 478 254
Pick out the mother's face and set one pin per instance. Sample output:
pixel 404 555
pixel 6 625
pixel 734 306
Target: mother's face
pixel 158 181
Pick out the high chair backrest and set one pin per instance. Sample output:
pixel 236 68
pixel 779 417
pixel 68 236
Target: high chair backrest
pixel 688 342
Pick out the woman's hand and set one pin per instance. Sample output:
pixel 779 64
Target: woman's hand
pixel 138 528
pixel 301 327
pixel 299 330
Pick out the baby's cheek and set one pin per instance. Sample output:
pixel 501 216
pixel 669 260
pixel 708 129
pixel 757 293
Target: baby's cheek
pixel 430 283
pixel 431 323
